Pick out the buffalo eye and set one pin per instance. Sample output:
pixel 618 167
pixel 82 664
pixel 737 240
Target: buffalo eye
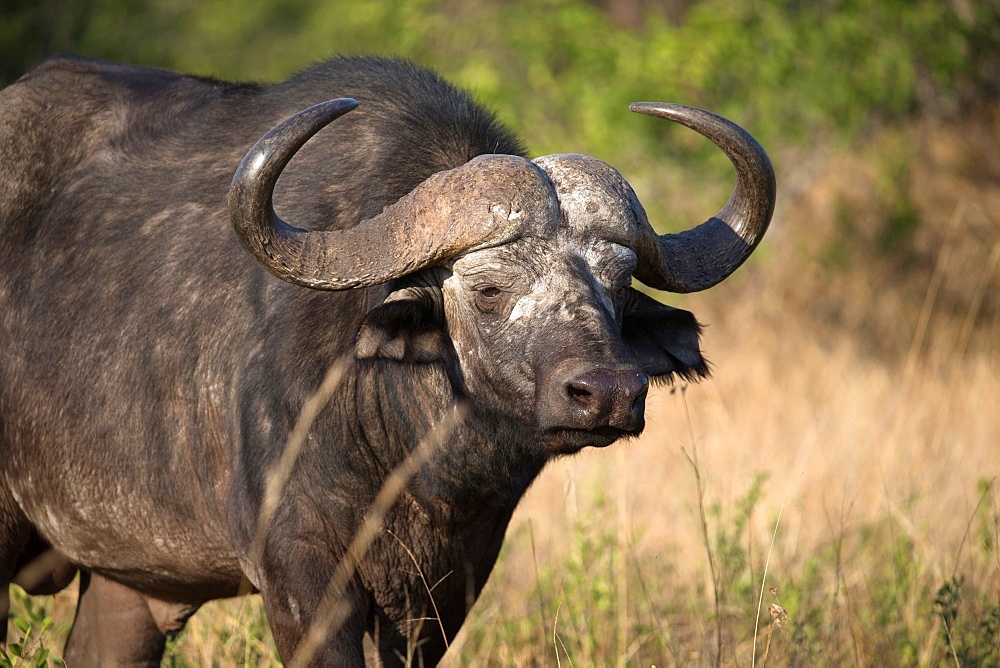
pixel 620 296
pixel 488 298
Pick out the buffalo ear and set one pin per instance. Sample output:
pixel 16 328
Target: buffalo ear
pixel 407 327
pixel 664 339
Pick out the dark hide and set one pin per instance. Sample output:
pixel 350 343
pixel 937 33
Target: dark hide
pixel 151 372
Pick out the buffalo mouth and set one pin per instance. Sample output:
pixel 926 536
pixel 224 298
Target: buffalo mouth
pixel 566 441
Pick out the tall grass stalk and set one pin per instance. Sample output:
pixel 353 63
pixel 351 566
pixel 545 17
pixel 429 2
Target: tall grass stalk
pixel 620 565
pixel 763 584
pixel 703 519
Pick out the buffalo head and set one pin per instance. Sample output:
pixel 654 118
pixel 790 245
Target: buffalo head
pixel 518 273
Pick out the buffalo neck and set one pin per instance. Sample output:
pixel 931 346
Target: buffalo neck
pixel 483 461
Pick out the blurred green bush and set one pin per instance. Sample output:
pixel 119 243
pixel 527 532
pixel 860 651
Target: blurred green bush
pixel 562 72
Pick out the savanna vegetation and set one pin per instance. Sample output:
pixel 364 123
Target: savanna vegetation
pixel 830 496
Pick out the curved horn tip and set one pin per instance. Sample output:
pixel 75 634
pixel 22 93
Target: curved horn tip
pixel 340 103
pixel 345 103
pixel 309 121
pixel 290 134
pixel 656 108
pixel 671 110
pixel 678 263
pixel 696 118
pixel 301 126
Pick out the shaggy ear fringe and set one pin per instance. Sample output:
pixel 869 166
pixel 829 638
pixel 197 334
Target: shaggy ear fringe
pixel 688 373
pixel 665 340
pixel 692 374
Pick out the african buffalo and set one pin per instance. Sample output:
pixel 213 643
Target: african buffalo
pixel 153 370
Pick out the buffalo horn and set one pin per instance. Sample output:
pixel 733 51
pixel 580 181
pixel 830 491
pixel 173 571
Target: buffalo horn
pixel 487 201
pixel 701 257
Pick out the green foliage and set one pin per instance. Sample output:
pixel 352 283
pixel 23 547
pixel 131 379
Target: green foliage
pixel 969 629
pixel 987 520
pixel 787 68
pixel 901 215
pixel 562 72
pixel 970 616
pixel 33 632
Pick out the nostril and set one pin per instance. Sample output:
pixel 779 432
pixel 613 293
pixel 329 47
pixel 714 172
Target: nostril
pixel 608 391
pixel 638 387
pixel 579 391
pixel 639 400
pixel 598 398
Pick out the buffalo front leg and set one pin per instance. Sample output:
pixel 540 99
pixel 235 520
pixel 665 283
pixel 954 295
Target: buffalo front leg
pixel 117 625
pixel 335 645
pixel 311 627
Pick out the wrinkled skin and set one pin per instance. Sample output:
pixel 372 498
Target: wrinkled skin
pixel 151 372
